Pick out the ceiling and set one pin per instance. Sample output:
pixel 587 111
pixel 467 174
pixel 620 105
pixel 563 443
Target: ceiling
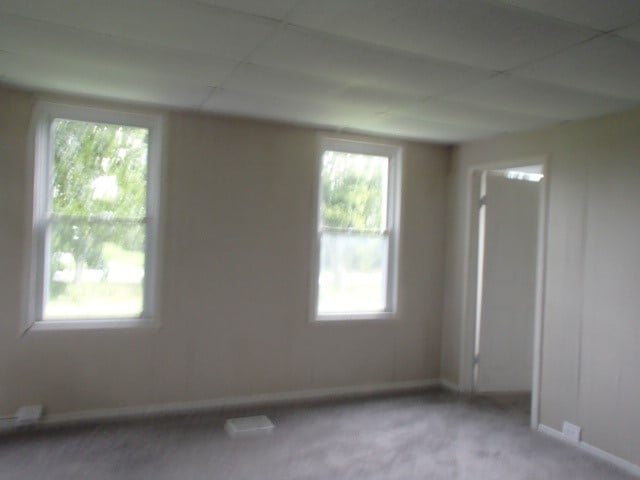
pixel 436 70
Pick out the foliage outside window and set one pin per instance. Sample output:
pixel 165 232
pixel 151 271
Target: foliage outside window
pixel 356 234
pixel 93 228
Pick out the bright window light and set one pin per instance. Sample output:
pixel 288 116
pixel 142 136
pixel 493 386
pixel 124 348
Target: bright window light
pixel 357 223
pixel 95 222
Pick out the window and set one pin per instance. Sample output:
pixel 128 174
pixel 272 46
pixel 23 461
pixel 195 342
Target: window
pixel 96 205
pixel 356 243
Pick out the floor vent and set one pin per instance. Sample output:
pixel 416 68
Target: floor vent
pixel 248 426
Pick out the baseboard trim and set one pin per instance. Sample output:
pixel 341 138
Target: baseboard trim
pixel 621 463
pixel 258 400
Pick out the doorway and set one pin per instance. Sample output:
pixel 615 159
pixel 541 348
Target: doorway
pixel 506 255
pixel 507 243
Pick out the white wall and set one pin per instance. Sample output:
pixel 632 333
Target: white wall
pixel 591 339
pixel 235 289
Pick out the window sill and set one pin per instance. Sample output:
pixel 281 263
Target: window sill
pixel 331 318
pixel 93 324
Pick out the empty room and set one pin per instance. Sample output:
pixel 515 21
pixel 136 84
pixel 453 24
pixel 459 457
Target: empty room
pixel 319 239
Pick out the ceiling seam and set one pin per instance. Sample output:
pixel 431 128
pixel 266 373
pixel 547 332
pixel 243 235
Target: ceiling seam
pixel 387 48
pixel 221 85
pixel 491 73
pixel 348 84
pixel 553 54
pixel 278 26
pixel 514 73
pixel 597 33
pixel 615 31
pixel 141 44
pixel 617 35
pixel 121 39
pixel 600 32
pixel 209 94
pixel 529 11
pixel 221 8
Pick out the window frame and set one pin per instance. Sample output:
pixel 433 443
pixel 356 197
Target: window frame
pixel 40 175
pixel 394 191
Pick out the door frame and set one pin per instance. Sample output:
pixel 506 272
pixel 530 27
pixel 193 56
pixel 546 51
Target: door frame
pixel 467 337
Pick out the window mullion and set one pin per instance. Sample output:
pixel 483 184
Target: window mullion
pixel 352 231
pixel 98 220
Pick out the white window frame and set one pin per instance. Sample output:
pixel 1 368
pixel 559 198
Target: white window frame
pixel 394 153
pixel 40 195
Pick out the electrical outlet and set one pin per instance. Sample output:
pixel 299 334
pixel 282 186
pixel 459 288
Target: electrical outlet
pixel 571 431
pixel 28 415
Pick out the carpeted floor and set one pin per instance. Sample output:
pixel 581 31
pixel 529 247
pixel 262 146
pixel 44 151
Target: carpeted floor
pixel 434 435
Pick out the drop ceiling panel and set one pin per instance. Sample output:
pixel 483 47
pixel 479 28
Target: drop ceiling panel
pixel 424 69
pixel 276 9
pixel 456 113
pixel 515 94
pixel 352 62
pixel 185 26
pixel 607 65
pixel 632 32
pixel 412 74
pixel 284 109
pixel 31 37
pixel 379 101
pixel 602 15
pixel 262 80
pixel 53 75
pixel 411 127
pixel 314 54
pixel 474 32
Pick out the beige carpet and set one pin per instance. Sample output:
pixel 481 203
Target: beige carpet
pixel 429 436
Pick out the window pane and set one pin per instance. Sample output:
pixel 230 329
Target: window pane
pixel 99 169
pixel 96 270
pixel 354 191
pixel 352 273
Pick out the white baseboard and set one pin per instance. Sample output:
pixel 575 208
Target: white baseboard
pixel 265 399
pixel 621 463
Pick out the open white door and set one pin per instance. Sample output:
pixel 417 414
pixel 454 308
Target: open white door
pixel 505 325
